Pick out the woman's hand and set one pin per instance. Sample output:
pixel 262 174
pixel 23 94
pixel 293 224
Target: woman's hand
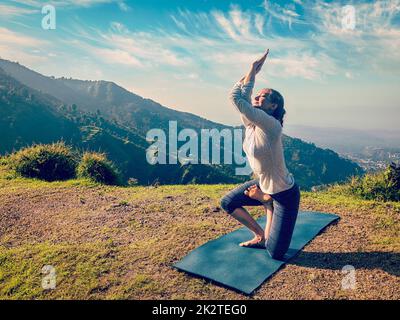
pixel 257 65
pixel 255 68
pixel 255 192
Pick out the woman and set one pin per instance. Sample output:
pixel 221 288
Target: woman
pixel 274 187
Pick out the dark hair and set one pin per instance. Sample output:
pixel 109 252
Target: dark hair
pixel 277 98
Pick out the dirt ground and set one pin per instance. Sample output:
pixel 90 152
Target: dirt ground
pixel 120 243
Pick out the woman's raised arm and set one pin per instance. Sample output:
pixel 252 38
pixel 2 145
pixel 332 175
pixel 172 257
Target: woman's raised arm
pixel 256 67
pixel 240 98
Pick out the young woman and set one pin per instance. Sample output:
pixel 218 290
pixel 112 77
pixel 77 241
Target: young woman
pixel 274 187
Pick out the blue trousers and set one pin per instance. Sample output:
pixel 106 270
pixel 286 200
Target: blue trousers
pixel 286 207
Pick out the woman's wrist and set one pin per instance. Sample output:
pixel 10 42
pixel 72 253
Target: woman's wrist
pixel 250 76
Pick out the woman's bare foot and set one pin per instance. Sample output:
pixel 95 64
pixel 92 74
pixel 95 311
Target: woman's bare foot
pixel 256 242
pixel 255 192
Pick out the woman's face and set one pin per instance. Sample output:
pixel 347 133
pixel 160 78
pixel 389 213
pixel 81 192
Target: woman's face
pixel 261 101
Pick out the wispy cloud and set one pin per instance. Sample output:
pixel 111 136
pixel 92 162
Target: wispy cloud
pixel 7 10
pixel 16 46
pixel 72 3
pixel 227 41
pixel 303 65
pixel 225 24
pixel 285 14
pixel 207 49
pixel 236 38
pixel 62 3
pixel 118 27
pixel 14 38
pixel 123 6
pixel 241 20
pixel 120 45
pixel 117 56
pixel 375 38
pixel 259 22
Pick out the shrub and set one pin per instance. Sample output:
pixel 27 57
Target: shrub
pixel 382 186
pixel 48 162
pixel 98 168
pixel 3 161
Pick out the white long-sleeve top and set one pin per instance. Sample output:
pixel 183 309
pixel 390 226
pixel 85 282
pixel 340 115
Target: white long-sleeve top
pixel 263 142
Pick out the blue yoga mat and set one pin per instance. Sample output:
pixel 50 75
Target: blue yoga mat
pixel 245 269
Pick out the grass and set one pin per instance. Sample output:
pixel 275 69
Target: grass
pixel 79 270
pixel 109 242
pixel 386 214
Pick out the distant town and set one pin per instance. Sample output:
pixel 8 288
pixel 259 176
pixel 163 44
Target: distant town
pixel 374 159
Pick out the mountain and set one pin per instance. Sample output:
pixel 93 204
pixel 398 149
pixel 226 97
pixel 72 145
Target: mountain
pixel 102 116
pixel 113 101
pixel 28 116
pixel 321 166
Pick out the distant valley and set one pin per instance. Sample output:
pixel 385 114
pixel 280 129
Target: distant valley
pixel 371 149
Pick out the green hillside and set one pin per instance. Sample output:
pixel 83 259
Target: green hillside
pixel 28 116
pixel 101 116
pixel 120 242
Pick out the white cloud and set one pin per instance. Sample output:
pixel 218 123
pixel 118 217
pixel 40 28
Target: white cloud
pixel 375 41
pixel 179 24
pixel 225 24
pixel 188 76
pixel 286 66
pixel 11 11
pixel 18 47
pixel 259 23
pixel 284 14
pixel 63 3
pixel 119 27
pixel 123 6
pixel 241 20
pixel 144 46
pixel 117 56
pixel 191 50
pixel 228 42
pixel 17 39
pixel 303 65
pixel 194 22
pixel 370 17
pixel 137 49
pixel 236 24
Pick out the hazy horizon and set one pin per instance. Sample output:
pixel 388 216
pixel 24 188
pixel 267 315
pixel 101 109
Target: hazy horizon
pixel 174 53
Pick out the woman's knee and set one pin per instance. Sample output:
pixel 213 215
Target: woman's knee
pixel 276 255
pixel 277 250
pixel 280 235
pixel 227 204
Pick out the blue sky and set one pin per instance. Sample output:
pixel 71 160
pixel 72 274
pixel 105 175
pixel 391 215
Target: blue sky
pixel 187 54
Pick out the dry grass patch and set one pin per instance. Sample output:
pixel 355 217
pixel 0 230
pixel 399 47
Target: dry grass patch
pixel 120 243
